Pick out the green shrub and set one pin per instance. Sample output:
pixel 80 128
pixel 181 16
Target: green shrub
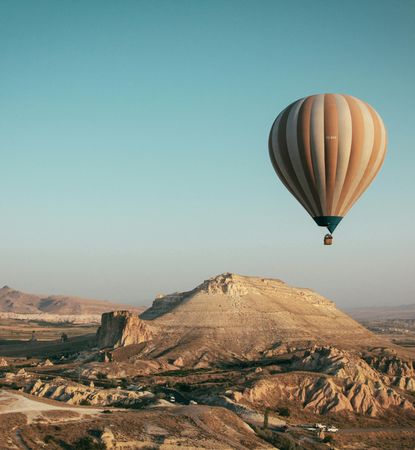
pixel 279 440
pixel 112 384
pixel 136 404
pixel 125 382
pixel 87 443
pixel 283 411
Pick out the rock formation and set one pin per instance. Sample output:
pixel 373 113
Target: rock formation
pixel 122 328
pixel 397 371
pixel 339 363
pixel 343 382
pixel 78 394
pixel 233 317
pixel 323 394
pixel 46 363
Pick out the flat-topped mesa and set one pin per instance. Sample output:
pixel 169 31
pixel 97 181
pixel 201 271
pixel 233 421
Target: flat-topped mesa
pixel 226 283
pixel 234 316
pixel 120 328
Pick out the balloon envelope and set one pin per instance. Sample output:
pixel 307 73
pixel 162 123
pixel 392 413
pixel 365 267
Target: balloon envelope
pixel 327 149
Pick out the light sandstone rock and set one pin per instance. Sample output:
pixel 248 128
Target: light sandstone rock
pixel 179 362
pixel 108 439
pixel 392 365
pixel 333 361
pixel 77 394
pixel 121 328
pixel 324 394
pixel 397 371
pixel 46 363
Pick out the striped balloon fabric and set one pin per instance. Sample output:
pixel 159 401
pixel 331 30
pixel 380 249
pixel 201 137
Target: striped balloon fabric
pixel 327 149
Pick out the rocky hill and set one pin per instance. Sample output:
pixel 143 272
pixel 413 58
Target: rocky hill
pixel 13 301
pixel 328 380
pixel 233 317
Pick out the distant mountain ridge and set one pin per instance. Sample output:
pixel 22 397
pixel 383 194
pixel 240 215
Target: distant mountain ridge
pixel 383 312
pixel 14 301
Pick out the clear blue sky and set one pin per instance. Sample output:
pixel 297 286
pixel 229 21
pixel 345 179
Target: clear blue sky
pixel 133 142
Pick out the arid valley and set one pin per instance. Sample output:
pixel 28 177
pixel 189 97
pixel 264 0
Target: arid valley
pixel 236 363
pixel 206 225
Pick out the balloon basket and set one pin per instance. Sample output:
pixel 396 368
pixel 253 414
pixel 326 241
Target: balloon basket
pixel 328 239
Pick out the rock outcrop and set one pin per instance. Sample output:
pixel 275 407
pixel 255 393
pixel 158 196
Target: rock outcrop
pixel 343 382
pixel 20 377
pixel 46 363
pixel 399 372
pixel 323 394
pixel 122 328
pixel 227 283
pixel 392 365
pixel 77 394
pixel 3 362
pixel 333 361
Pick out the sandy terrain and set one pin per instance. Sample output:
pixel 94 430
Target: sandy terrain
pixel 30 424
pixel 14 402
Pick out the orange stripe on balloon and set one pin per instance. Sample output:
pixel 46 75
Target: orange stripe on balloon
pixel 331 143
pixel 355 153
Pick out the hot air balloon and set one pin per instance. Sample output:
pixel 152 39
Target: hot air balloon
pixel 327 149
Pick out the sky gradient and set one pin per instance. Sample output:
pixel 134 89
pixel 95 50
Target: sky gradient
pixel 133 143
